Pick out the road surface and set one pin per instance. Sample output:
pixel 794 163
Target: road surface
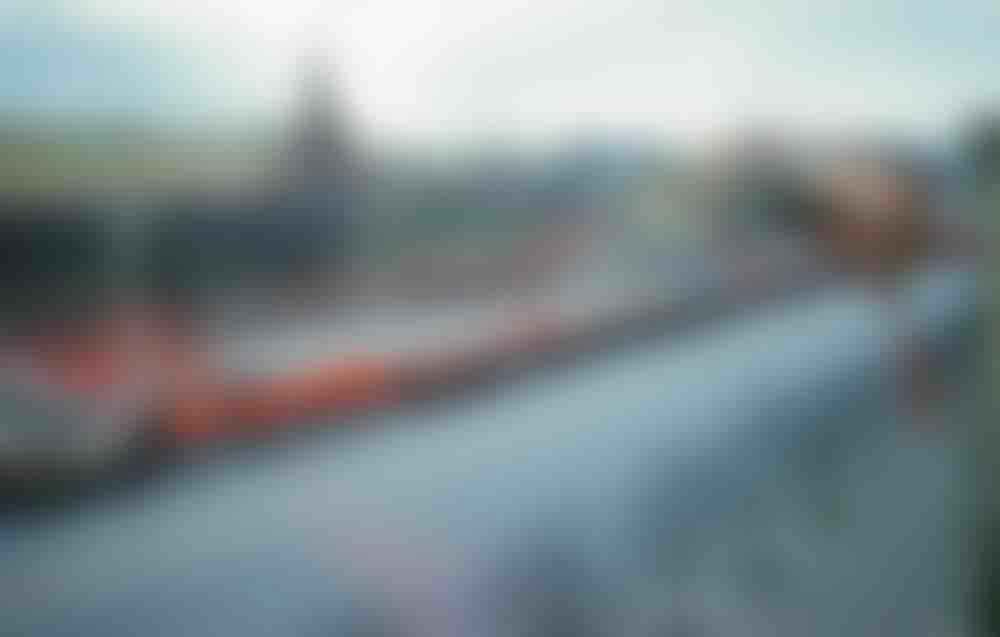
pixel 752 478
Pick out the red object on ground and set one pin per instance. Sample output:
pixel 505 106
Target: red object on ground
pixel 194 400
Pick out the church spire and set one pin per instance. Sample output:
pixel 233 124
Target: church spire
pixel 320 152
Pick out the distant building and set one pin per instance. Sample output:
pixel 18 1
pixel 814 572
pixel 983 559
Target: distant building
pixel 320 155
pixel 982 148
pixel 293 225
pixel 321 179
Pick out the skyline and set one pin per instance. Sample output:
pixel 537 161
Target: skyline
pixel 442 71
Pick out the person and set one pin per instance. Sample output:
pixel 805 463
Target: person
pixel 878 224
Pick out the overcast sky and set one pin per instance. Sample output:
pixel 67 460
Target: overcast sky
pixel 441 70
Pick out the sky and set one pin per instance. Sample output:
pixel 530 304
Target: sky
pixel 445 70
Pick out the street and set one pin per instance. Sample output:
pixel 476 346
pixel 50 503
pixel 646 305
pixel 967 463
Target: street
pixel 681 471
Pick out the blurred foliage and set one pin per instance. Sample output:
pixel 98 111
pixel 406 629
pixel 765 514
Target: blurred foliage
pixel 104 158
pixel 54 262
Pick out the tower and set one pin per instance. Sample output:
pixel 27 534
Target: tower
pixel 320 158
pixel 315 225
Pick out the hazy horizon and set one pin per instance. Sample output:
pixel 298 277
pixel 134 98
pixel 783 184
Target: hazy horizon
pixel 444 71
